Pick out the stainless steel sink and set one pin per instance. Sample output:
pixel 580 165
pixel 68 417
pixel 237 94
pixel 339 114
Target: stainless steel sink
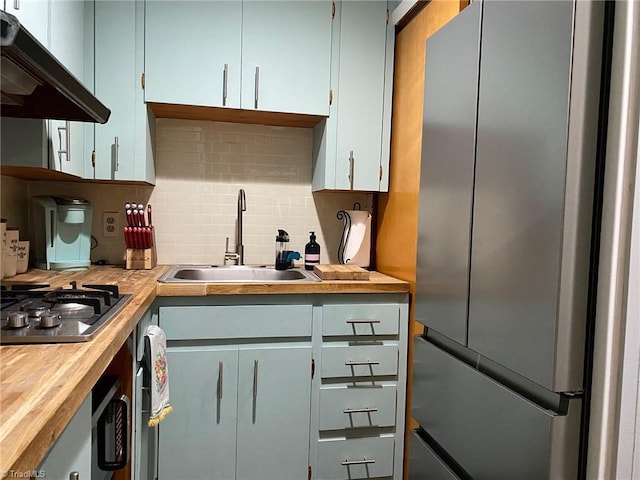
pixel 234 274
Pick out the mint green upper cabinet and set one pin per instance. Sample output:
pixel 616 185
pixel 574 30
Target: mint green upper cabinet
pixel 253 55
pixel 352 146
pixel 119 149
pixel 33 15
pixel 66 36
pixel 286 54
pixel 192 52
pixel 55 144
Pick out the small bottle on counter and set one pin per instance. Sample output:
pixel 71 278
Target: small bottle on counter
pixel 311 252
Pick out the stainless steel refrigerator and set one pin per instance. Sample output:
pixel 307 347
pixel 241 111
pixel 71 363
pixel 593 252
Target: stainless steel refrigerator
pixel 509 181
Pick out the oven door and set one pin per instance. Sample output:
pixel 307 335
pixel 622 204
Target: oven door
pixel 110 434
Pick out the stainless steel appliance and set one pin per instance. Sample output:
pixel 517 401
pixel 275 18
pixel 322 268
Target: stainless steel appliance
pixel 61 232
pixel 508 207
pixel 35 314
pixel 36 85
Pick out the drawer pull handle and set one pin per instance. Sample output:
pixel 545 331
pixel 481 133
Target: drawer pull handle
pixel 363 321
pixel 358 462
pixel 220 380
pixel 360 410
pixel 352 363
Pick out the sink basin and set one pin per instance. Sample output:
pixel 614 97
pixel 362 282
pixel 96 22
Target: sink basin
pixel 235 274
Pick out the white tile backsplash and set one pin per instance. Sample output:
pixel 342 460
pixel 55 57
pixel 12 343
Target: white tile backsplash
pixel 200 166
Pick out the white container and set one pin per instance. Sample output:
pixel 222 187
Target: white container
pixel 11 252
pixel 22 263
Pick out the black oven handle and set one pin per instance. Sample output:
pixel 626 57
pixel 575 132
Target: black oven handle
pixel 121 437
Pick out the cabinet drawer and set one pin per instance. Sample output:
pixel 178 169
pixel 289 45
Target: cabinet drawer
pixel 357 406
pixel 491 431
pixel 243 321
pixel 365 319
pixel 359 360
pixel 355 458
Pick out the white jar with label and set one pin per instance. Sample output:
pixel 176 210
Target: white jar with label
pixel 12 236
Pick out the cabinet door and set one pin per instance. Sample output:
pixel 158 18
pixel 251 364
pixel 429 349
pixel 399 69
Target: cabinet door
pixel 274 389
pixel 198 439
pixel 520 185
pixel 67 44
pixel 359 95
pixel 202 41
pixel 448 159
pixel 286 54
pixel 115 86
pixel 72 450
pixel 33 15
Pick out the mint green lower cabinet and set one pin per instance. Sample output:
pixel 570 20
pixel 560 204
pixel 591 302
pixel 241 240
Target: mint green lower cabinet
pixel 240 387
pixel 198 439
pixel 72 450
pixel 280 387
pixel 360 409
pixel 274 390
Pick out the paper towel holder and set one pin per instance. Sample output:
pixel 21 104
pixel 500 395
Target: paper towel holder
pixel 361 258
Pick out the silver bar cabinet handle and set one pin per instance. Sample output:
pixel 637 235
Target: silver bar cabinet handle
pixel 16 4
pixel 117 153
pixel 74 476
pixel 220 370
pixel 358 462
pixel 257 83
pixel 363 321
pixel 350 363
pixel 351 162
pixel 62 151
pixel 68 135
pixel 255 379
pixel 359 410
pixel 225 75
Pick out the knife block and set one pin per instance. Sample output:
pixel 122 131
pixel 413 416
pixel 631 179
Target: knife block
pixel 142 258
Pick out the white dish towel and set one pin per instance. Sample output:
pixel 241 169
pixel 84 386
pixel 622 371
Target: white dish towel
pixel 159 388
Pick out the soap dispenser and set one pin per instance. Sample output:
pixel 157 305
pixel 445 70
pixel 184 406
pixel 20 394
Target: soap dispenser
pixel 311 252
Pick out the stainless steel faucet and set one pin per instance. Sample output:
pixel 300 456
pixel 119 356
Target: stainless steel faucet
pixel 242 207
pixel 238 256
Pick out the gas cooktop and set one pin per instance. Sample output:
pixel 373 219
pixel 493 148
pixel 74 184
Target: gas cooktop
pixel 36 314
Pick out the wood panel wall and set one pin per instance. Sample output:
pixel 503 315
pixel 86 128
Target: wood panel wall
pixel 397 214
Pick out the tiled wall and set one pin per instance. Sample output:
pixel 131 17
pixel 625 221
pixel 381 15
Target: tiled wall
pixel 200 166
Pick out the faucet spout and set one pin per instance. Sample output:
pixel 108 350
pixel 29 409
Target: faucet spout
pixel 242 207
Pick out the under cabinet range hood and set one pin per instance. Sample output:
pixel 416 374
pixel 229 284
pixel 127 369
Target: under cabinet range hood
pixel 36 85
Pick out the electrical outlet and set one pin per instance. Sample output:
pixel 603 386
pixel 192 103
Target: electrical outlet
pixel 110 224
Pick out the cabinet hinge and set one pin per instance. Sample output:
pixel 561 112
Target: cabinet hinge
pixel 330 97
pixel 333 10
pixel 142 80
pixel 313 367
pixel 380 172
pixel 309 472
pixel 387 18
pixel 93 159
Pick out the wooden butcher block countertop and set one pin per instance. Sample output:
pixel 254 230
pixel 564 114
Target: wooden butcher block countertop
pixel 43 385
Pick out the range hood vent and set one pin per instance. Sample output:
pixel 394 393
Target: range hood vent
pixel 36 85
